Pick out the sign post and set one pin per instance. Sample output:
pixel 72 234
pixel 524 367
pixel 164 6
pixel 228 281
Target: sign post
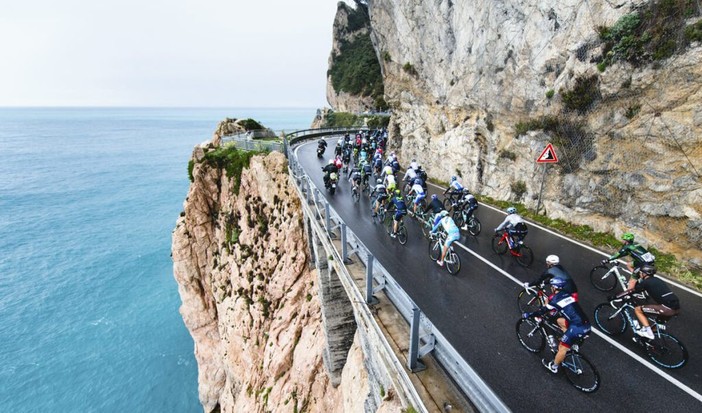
pixel 547 156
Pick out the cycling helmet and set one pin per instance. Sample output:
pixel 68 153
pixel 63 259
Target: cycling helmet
pixel 453 178
pixel 378 181
pixel 444 213
pixel 434 196
pixel 552 259
pixel 628 236
pixel 557 282
pixel 466 191
pixel 398 193
pixel 648 269
pixel 511 210
pixel 331 162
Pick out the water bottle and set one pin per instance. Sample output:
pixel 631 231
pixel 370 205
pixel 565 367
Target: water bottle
pixel 552 341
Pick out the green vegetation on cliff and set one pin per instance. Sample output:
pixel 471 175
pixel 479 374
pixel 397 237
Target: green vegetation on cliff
pixel 355 70
pixel 229 158
pixel 346 120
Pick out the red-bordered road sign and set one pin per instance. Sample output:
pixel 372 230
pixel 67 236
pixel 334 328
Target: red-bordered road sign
pixel 548 155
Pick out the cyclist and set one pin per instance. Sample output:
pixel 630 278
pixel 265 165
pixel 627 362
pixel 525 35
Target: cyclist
pixel 390 183
pixel 377 163
pixel 419 194
pixel 469 204
pixel 454 188
pixel 667 303
pixel 338 148
pixel 515 226
pixel 382 195
pixel 422 174
pixel 639 254
pixel 367 171
pixel 395 165
pixel 414 164
pixel 400 211
pixel 572 321
pixel 555 270
pixel 435 205
pixel 410 174
pixel 331 167
pixel 355 179
pixel 452 233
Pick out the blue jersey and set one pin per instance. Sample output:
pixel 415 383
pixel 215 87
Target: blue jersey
pixel 565 304
pixel 399 204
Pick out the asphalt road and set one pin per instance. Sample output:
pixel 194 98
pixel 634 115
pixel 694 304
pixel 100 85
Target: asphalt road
pixel 476 310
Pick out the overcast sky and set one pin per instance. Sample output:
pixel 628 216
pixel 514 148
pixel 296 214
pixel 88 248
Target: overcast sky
pixel 259 53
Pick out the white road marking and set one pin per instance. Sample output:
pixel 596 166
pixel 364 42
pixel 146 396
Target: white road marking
pixel 680 286
pixel 608 339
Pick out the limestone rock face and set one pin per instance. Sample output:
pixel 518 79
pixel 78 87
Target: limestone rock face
pixel 250 300
pixel 339 100
pixel 248 296
pixel 460 76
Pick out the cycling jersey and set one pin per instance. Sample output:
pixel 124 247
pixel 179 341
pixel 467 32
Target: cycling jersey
pixel 638 253
pixel 510 222
pixel 557 271
pixel 400 208
pixel 414 165
pixel 387 170
pixel 411 174
pixel 452 232
pixel 390 181
pixel 435 205
pixel 455 186
pixel 659 291
pixel 566 305
pixel 355 175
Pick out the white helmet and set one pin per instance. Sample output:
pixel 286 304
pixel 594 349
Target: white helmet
pixel 331 161
pixel 552 260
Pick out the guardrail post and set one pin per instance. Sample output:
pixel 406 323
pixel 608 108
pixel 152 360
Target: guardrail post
pixel 327 219
pixel 344 247
pixel 414 363
pixel 370 300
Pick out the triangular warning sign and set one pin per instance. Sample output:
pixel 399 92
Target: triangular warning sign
pixel 548 155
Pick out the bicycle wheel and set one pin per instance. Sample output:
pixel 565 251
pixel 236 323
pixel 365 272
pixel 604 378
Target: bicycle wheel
pixel 528 301
pixel 602 279
pixel 581 373
pixel 474 226
pixel 609 321
pixel 402 234
pixel 458 218
pixel 499 245
pixel 435 249
pixel 388 223
pixel 667 351
pixel 452 262
pixel 355 195
pixel 448 203
pixel 530 335
pixel 525 256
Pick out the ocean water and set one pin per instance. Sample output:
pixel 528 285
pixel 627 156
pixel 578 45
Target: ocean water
pixel 89 316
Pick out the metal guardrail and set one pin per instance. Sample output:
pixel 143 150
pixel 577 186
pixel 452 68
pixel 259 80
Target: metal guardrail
pixel 378 278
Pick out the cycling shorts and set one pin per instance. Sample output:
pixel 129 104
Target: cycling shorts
pixel 451 237
pixel 574 334
pixel 382 197
pixel 419 198
pixel 658 310
pixel 391 187
pixel 399 214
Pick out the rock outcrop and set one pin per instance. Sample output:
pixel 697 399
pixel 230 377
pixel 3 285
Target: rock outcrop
pixel 249 298
pixel 484 86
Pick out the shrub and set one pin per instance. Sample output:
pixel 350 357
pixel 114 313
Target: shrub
pixel 693 32
pixel 232 160
pixel 250 124
pixel 550 93
pixel 583 96
pixel 518 189
pixel 632 111
pixel 507 154
pixel 386 56
pixel 191 166
pixel 409 69
pixel 356 69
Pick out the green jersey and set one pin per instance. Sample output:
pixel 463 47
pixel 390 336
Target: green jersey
pixel 640 255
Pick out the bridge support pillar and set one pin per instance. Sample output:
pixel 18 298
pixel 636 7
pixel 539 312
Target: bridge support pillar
pixel 370 299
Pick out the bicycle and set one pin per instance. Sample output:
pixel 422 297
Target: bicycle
pixel 531 299
pixel 605 278
pixel 355 195
pixel 452 199
pixel 664 349
pixel 452 261
pixel 533 334
pixel 502 243
pixel 401 229
pixel 380 216
pixel 473 224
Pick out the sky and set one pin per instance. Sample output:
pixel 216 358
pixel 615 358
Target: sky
pixel 192 53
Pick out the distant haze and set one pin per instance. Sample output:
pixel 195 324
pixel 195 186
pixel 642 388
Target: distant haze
pixel 270 53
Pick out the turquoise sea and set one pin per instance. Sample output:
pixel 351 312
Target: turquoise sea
pixel 89 316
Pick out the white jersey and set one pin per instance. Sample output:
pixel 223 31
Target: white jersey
pixel 411 173
pixel 510 221
pixel 414 165
pixel 417 189
pixel 389 179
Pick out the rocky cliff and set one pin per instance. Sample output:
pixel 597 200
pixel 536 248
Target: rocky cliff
pixel 249 298
pixel 484 86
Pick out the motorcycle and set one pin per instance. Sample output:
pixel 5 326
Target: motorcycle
pixel 320 151
pixel 331 183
